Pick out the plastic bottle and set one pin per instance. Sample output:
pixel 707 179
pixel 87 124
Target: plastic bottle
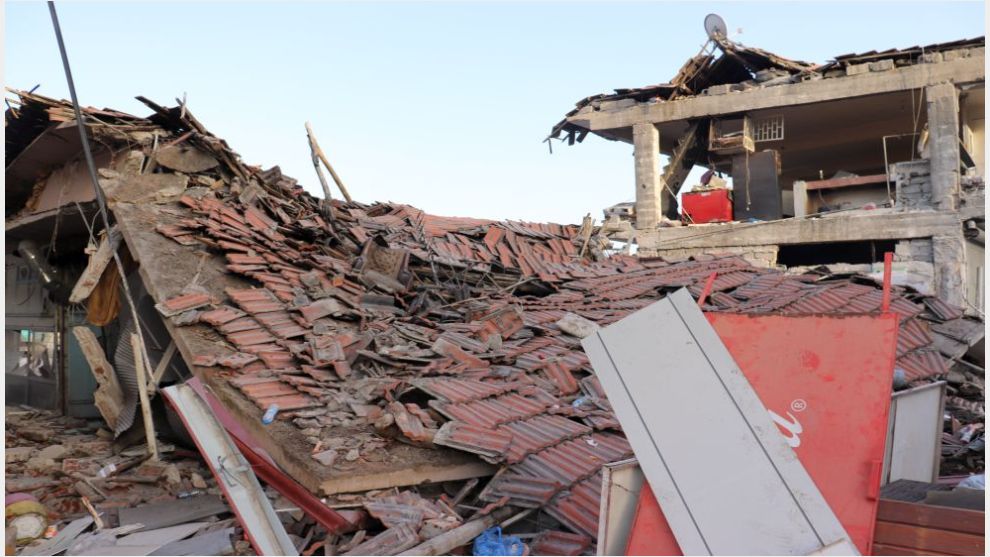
pixel 270 414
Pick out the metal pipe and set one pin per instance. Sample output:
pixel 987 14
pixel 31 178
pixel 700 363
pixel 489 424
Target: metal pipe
pixel 91 166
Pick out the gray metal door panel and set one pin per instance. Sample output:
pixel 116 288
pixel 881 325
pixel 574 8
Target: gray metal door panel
pixel 725 478
pixel 914 435
pixel 621 483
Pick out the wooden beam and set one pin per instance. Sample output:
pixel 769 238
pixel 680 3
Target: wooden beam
pixel 466 469
pixel 108 397
pixel 97 263
pixel 142 381
pixel 333 174
pixel 156 377
pixel 931 516
pixel 963 70
pixel 845 182
pixel 928 539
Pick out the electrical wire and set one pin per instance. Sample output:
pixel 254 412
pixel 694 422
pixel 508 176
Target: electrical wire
pixel 91 166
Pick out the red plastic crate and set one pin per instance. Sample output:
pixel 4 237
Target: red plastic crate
pixel 707 206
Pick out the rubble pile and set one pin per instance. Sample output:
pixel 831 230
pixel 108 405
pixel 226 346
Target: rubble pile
pixel 347 334
pixel 71 468
pixel 58 460
pixel 370 326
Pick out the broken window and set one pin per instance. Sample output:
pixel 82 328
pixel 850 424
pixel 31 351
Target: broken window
pixel 30 353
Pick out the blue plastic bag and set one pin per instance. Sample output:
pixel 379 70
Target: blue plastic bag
pixel 492 542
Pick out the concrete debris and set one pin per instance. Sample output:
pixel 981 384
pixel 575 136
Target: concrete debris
pixel 73 463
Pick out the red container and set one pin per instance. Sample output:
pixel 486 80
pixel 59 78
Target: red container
pixel 707 206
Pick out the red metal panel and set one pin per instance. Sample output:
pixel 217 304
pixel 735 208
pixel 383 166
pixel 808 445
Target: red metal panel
pixel 827 383
pixel 266 469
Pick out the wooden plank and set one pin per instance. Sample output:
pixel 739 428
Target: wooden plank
pixel 928 539
pixel 108 396
pixel 846 182
pixel 774 507
pixel 170 513
pixel 931 516
pixel 97 263
pixel 142 381
pixel 886 549
pixel 156 377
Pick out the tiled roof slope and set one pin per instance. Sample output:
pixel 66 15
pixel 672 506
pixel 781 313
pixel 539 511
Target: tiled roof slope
pixel 506 382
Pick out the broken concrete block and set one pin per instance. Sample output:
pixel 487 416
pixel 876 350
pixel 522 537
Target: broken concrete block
pixel 54 452
pixel 856 69
pixel 17 454
pixel 575 325
pixel 718 89
pixel 131 163
pixel 882 65
pixel 197 481
pixel 38 435
pixel 185 158
pixel 42 465
pixel 950 55
pixel 326 458
pixel 172 474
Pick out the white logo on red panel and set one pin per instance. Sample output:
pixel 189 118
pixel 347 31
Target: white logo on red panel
pixel 790 428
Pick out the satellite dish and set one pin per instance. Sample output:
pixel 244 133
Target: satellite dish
pixel 715 27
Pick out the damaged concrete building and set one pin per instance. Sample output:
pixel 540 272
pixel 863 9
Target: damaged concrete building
pixel 422 375
pixel 832 163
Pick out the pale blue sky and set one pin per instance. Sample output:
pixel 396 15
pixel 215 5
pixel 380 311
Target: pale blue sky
pixel 440 105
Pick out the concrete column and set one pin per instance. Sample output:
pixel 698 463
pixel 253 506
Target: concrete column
pixel 943 128
pixel 949 257
pixel 800 198
pixel 646 150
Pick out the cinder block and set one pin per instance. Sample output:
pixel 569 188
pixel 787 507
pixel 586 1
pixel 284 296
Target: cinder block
pixel 718 89
pixel 855 69
pixel 882 65
pixel 931 57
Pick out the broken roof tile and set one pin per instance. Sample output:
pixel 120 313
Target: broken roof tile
pixel 184 302
pixel 220 315
pixel 255 300
pixel 461 390
pixel 390 542
pixel 475 439
pixel 555 542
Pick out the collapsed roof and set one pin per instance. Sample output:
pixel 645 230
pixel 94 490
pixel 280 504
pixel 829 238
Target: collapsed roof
pixel 743 68
pixel 396 343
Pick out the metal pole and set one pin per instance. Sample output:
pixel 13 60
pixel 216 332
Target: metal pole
pixel 91 166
